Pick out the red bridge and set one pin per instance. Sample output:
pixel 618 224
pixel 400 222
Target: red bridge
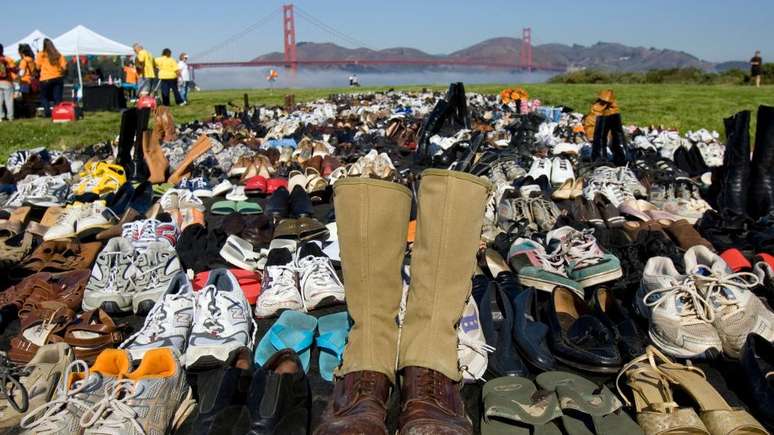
pixel 292 62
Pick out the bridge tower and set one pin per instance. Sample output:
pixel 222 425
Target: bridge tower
pixel 289 30
pixel 525 60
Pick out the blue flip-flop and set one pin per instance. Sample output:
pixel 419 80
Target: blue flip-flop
pixel 333 330
pixel 292 330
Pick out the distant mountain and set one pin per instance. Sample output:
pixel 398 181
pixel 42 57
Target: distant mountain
pixel 602 55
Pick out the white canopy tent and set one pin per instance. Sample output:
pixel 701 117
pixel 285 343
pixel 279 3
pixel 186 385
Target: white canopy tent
pixel 82 41
pixel 34 40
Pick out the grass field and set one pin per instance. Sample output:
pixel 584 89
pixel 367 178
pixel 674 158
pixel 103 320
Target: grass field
pixel 684 107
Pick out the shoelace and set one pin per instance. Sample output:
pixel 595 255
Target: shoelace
pixel 112 413
pixel 581 249
pixel 283 279
pixel 153 325
pixel 480 347
pixel 317 269
pixel 47 418
pixel 695 306
pixel 553 261
pixel 716 284
pixel 10 376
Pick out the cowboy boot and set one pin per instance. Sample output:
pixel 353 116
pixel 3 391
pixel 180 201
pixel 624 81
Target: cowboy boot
pixel 373 218
pixel 126 137
pixel 599 143
pixel 449 221
pixel 140 171
pixel 761 199
pixel 164 123
pixel 733 178
pixel 201 146
pixel 154 158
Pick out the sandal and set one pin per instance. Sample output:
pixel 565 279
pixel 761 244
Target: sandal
pixel 292 330
pixel 333 330
pixel 94 332
pixel 513 405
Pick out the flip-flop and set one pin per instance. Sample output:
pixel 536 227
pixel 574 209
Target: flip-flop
pixel 248 207
pixel 292 330
pixel 514 406
pixel 223 207
pixel 333 330
pixel 586 402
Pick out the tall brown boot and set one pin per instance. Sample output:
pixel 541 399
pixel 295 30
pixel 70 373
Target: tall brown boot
pixel 450 215
pixel 372 218
pixel 155 159
pixel 201 146
pixel 164 122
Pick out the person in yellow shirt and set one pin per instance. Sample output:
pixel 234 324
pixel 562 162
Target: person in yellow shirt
pixel 146 69
pixel 169 71
pixel 52 67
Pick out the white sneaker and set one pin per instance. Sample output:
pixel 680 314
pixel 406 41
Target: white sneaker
pixel 561 171
pixel 65 226
pixel 222 322
pixel 95 218
pixel 168 323
pixel 279 286
pixel 680 317
pixel 566 148
pixel 111 284
pixel 540 167
pixel 737 311
pixel 155 268
pixel 318 282
pixel 222 188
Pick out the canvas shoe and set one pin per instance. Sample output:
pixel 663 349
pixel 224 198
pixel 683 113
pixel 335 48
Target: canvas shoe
pixel 143 232
pixel 38 378
pixel 80 388
pixel 222 322
pixel 155 268
pixel 736 310
pixel 49 191
pixel 144 401
pixel 65 226
pixel 586 263
pixel 540 167
pixel 94 218
pixel 538 269
pixel 317 279
pixel 561 171
pixel 168 324
pixel 279 286
pixel 680 318
pixel 111 284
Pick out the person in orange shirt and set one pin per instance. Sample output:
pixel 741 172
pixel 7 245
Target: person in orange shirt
pixel 52 66
pixel 28 70
pixel 130 79
pixel 7 76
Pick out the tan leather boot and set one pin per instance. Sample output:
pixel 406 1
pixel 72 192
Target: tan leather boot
pixel 201 146
pixel 164 122
pixel 155 159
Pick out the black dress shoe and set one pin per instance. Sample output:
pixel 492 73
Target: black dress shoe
pixel 610 311
pixel 757 362
pixel 280 398
pixel 299 203
pixel 278 205
pixel 579 339
pixel 530 332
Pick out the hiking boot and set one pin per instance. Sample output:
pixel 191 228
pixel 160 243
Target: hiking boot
pixel 279 287
pixel 111 285
pixel 358 405
pixel 431 403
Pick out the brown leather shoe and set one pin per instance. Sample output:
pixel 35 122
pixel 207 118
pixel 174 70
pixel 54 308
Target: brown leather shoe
pixel 358 405
pixel 65 289
pixel 431 404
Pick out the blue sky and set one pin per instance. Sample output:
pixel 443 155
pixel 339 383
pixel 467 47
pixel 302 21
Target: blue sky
pixel 714 30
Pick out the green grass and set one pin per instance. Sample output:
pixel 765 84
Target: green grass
pixel 685 107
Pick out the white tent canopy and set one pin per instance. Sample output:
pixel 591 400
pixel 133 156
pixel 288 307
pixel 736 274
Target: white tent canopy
pixel 34 40
pixel 84 41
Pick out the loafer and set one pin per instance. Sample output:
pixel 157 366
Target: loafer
pixel 611 312
pixel 578 338
pixel 530 332
pixel 299 203
pixel 278 205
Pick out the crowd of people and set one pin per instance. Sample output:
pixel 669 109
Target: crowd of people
pixel 162 73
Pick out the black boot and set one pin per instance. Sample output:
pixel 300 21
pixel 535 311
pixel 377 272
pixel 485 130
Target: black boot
pixel 431 125
pixel 614 127
pixel 599 144
pixel 126 138
pixel 459 105
pixel 760 202
pixel 140 171
pixel 733 178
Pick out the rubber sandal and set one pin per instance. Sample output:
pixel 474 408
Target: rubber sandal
pixel 514 406
pixel 582 399
pixel 333 331
pixel 246 207
pixel 223 207
pixel 292 330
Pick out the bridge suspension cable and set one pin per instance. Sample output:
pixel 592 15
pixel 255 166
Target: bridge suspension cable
pixel 271 16
pixel 306 16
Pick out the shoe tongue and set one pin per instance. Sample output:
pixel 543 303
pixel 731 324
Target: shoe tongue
pixel 311 248
pixel 279 257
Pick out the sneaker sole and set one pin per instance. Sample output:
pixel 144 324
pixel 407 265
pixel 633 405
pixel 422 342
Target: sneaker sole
pixel 92 230
pixel 277 311
pixel 601 278
pixel 111 305
pixel 326 301
pixel 674 351
pixel 547 286
pixel 64 236
pixel 207 357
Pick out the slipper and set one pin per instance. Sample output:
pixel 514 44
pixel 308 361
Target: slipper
pixel 296 178
pixel 333 331
pixel 292 330
pixel 240 253
pixel 587 405
pixel 237 194
pixel 223 207
pixel 514 406
pixel 247 207
pixel 256 184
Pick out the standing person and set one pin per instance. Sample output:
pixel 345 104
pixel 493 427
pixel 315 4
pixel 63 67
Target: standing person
pixel 7 75
pixel 756 64
pixel 168 74
pixel 185 77
pixel 130 80
pixel 355 81
pixel 52 66
pixel 29 79
pixel 146 69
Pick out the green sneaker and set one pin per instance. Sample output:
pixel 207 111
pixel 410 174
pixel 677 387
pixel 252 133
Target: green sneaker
pixel 587 263
pixel 538 269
